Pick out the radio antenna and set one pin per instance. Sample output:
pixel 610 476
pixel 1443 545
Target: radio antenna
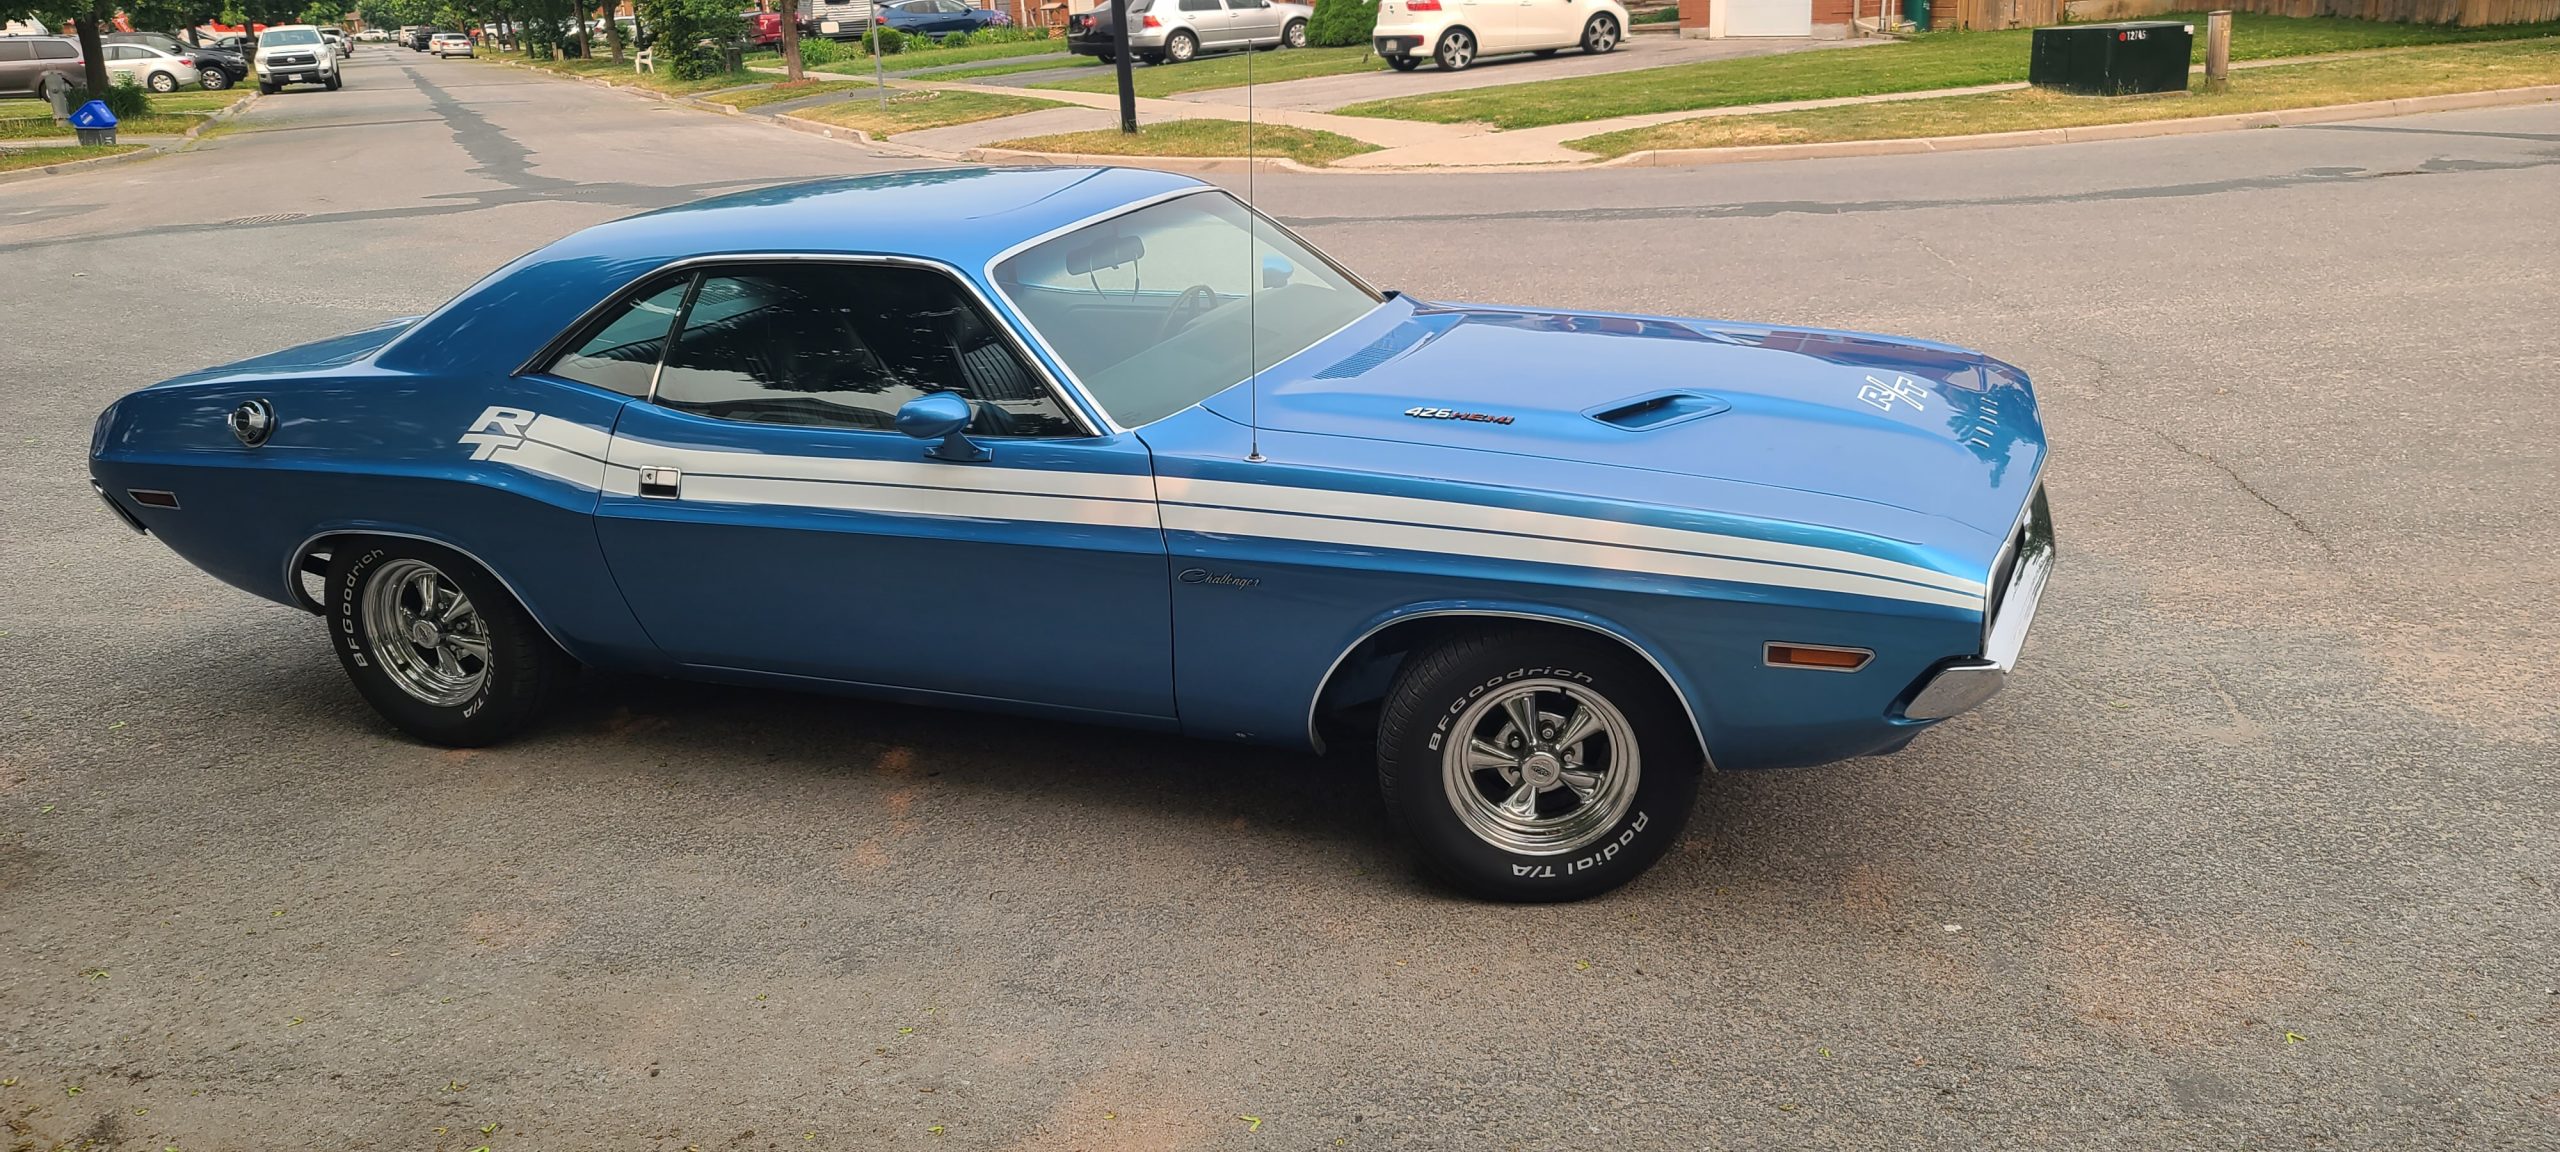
pixel 1252 279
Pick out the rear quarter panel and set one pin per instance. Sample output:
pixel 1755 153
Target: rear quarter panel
pixel 358 449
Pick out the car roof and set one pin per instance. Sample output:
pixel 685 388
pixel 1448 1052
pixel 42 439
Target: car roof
pixel 963 217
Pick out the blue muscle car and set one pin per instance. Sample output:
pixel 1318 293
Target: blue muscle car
pixel 1105 444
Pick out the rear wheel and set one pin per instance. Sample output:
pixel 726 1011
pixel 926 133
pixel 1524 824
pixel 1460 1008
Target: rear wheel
pixel 1181 47
pixel 162 82
pixel 1535 764
pixel 437 646
pixel 1457 50
pixel 215 80
pixel 1403 63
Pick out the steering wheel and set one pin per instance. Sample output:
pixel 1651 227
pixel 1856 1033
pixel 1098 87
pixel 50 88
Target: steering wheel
pixel 1182 312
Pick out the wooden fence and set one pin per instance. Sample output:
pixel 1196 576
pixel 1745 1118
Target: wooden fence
pixel 2035 13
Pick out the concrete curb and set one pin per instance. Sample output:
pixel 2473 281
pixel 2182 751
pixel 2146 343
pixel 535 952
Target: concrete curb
pixel 1197 165
pixel 2140 129
pixel 185 142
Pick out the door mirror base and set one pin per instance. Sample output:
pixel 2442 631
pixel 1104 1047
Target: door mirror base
pixel 943 416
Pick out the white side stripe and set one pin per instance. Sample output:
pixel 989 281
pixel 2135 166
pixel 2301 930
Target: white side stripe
pixel 919 473
pixel 1465 542
pixel 1547 526
pixel 942 502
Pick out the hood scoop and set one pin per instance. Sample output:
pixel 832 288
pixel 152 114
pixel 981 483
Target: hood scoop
pixel 1656 410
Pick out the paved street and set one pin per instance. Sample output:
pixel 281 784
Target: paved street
pixel 2261 851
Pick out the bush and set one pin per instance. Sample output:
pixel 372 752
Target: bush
pixel 124 98
pixel 819 52
pixel 890 40
pixel 1007 34
pixel 1341 23
pixel 955 39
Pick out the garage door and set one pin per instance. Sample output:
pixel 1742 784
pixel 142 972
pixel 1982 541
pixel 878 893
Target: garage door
pixel 1768 17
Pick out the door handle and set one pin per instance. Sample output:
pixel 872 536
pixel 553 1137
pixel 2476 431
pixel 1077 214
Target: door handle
pixel 663 483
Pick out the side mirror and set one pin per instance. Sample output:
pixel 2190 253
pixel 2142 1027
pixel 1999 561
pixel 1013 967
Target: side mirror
pixel 1276 271
pixel 942 416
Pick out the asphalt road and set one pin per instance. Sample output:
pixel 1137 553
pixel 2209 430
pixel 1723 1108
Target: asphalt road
pixel 2260 853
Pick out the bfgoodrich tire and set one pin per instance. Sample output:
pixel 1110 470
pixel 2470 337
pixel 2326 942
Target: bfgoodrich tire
pixel 1532 764
pixel 436 645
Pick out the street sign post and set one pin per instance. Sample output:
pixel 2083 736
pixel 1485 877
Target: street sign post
pixel 1120 64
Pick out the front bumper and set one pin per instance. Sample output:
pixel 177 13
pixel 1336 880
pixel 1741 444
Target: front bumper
pixel 1962 685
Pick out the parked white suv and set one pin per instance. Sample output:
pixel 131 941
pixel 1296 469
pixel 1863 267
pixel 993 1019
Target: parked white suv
pixel 1454 33
pixel 295 54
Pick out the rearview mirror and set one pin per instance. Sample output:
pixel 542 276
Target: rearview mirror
pixel 1107 252
pixel 942 416
pixel 1276 270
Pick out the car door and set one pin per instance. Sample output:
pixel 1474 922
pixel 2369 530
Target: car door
pixel 1550 23
pixel 956 16
pixel 1255 21
pixel 18 67
pixel 122 63
pixel 1496 23
pixel 1210 21
pixel 762 514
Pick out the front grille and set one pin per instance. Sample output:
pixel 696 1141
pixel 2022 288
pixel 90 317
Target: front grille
pixel 296 59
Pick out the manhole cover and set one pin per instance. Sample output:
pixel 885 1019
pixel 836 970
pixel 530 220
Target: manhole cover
pixel 269 218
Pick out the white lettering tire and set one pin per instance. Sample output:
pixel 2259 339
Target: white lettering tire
pixel 1532 764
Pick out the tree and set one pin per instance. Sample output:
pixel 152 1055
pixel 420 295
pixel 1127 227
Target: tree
pixel 679 27
pixel 324 12
pixel 791 70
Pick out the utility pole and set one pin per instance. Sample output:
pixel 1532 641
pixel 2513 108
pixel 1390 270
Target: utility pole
pixel 1120 64
pixel 2217 50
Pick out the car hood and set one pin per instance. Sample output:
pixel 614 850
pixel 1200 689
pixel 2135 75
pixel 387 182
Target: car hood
pixel 1921 427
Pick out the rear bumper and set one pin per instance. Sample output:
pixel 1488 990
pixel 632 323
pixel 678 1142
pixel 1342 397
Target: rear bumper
pixel 1399 45
pixel 1962 685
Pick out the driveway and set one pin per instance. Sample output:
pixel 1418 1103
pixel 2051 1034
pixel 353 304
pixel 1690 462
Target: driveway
pixel 2257 853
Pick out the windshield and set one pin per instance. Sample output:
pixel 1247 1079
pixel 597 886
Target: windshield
pixel 1150 309
pixel 289 36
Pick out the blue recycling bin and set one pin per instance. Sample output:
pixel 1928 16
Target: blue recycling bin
pixel 94 123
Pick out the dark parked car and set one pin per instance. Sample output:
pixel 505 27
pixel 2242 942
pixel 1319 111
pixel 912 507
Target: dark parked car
pixel 222 67
pixel 26 60
pixel 936 17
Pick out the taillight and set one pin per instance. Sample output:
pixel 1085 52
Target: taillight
pixel 1421 5
pixel 879 19
pixel 1148 22
pixel 189 61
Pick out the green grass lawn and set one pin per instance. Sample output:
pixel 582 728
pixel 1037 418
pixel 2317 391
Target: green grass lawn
pixel 1227 71
pixel 1932 60
pixel 1201 138
pixel 963 74
pixel 199 100
pixel 662 80
pixel 2415 72
pixel 780 92
pixel 915 109
pixel 14 126
pixel 13 159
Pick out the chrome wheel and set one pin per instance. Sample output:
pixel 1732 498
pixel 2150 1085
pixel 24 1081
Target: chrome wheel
pixel 1180 48
pixel 1541 767
pixel 1601 36
pixel 428 637
pixel 163 82
pixel 1457 49
pixel 1296 36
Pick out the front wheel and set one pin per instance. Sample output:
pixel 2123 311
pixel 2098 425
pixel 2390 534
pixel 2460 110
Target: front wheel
pixel 333 83
pixel 437 646
pixel 266 89
pixel 162 82
pixel 1181 47
pixel 1295 36
pixel 216 80
pixel 1535 765
pixel 1457 50
pixel 1600 35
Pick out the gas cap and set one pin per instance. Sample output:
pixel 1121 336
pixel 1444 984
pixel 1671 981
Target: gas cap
pixel 253 421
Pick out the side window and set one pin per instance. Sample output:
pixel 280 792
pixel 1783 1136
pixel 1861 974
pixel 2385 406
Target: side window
pixel 1248 5
pixel 843 346
pixel 623 354
pixel 1199 5
pixel 18 51
pixel 56 50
